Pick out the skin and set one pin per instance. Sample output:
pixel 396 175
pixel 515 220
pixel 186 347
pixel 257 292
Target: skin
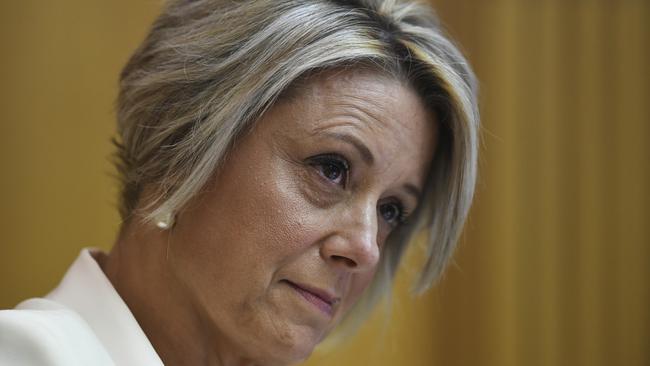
pixel 214 289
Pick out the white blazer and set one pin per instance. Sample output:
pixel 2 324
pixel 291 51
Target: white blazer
pixel 81 322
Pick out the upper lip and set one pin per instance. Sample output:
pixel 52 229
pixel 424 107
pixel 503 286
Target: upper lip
pixel 324 295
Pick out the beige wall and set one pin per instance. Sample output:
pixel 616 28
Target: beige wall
pixel 554 266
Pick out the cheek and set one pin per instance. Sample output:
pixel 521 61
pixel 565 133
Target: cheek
pixel 232 246
pixel 359 284
pixel 234 243
pixel 244 229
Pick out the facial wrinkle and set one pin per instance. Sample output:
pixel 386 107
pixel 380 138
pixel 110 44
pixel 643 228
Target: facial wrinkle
pixel 362 112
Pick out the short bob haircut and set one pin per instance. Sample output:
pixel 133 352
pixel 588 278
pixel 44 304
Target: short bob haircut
pixel 209 69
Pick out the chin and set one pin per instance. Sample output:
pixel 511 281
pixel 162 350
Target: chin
pixel 290 346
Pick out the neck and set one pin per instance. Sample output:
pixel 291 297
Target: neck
pixel 140 271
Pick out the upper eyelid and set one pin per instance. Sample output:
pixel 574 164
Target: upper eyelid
pixel 332 156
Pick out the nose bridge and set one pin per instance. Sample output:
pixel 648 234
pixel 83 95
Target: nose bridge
pixel 365 214
pixel 360 233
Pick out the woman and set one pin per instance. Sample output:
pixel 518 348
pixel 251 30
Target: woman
pixel 276 158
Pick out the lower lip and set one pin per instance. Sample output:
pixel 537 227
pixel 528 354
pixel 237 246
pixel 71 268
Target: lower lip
pixel 313 299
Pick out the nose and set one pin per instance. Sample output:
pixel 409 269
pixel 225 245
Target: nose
pixel 352 243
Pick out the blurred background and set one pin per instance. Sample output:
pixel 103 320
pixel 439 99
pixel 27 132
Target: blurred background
pixel 554 266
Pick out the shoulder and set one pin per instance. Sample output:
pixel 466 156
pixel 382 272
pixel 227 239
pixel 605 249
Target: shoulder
pixel 43 332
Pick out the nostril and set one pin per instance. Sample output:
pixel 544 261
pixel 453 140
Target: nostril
pixel 345 260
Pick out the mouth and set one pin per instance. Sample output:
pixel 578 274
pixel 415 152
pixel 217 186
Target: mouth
pixel 321 299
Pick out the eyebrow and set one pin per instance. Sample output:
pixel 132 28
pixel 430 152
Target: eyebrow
pixel 413 190
pixel 365 153
pixel 367 156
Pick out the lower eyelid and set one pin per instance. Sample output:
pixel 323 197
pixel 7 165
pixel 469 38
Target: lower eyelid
pixel 321 180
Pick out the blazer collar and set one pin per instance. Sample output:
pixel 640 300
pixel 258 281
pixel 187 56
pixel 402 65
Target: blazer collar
pixel 86 290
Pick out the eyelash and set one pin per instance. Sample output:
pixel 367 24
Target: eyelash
pixel 341 163
pixel 332 160
pixel 403 214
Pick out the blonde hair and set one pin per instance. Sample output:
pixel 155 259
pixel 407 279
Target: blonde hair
pixel 210 68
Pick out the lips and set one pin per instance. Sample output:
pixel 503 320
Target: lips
pixel 321 299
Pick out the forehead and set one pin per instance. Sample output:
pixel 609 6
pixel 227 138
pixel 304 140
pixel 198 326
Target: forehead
pixel 385 113
pixel 370 96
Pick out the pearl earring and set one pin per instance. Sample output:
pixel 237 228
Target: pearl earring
pixel 166 221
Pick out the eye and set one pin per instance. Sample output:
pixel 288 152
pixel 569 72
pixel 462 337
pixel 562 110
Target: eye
pixel 332 167
pixel 393 212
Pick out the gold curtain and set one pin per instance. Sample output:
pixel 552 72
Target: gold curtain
pixel 554 268
pixel 554 265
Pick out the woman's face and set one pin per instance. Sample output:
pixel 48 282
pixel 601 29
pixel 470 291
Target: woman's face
pixel 290 230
